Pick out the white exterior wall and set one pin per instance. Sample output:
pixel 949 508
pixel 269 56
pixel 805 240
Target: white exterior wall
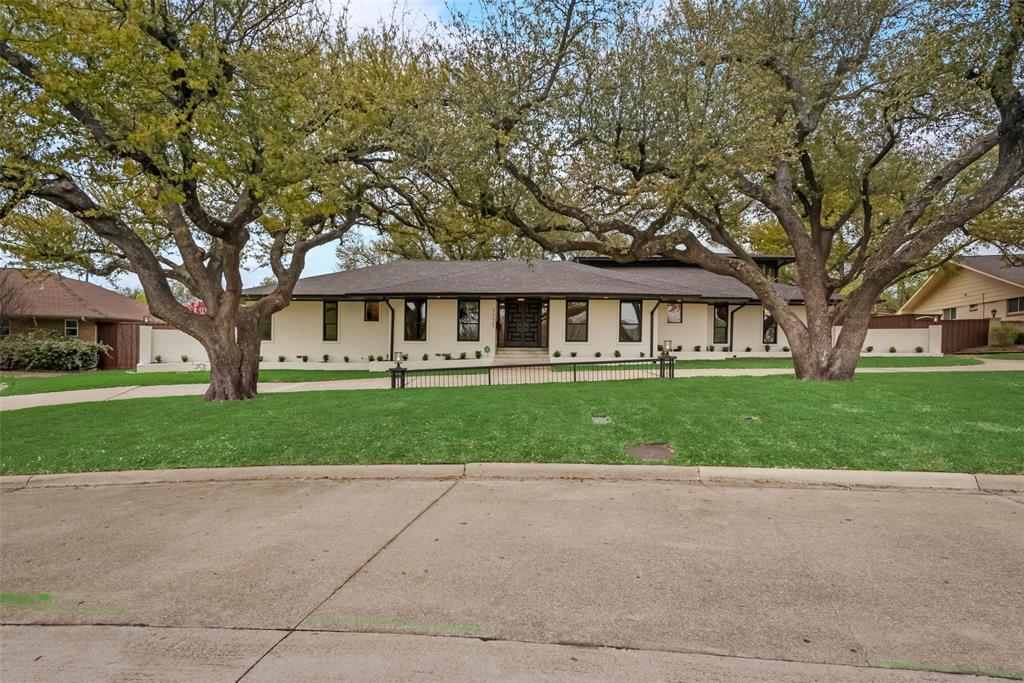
pixel 905 340
pixel 171 345
pixel 297 330
pixel 442 331
pixel 602 331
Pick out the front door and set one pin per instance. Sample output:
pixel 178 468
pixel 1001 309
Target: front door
pixel 523 318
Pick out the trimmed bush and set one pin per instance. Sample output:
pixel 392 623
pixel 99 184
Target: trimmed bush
pixel 597 354
pixel 345 358
pixel 304 359
pixel 785 349
pixel 748 349
pixel 618 354
pixel 479 353
pixel 870 349
pixel 679 347
pixel 426 356
pixel 327 357
pixel 462 356
pixel 157 359
pixel 572 354
pixel 280 359
pixel 767 347
pixel 918 349
pixel 49 351
pixel 660 347
pixel 405 356
pixel 184 358
pixel 696 348
pixel 1020 338
pixel 380 358
pixel 556 354
pixel 1002 335
pixel 446 356
pixel 711 348
pixel 892 349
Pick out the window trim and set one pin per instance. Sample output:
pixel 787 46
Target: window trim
pixel 77 327
pixel 405 319
pixel 639 321
pixel 458 320
pixel 949 313
pixel 714 324
pixel 337 321
pixel 1020 305
pixel 585 324
pixel 366 312
pixel 668 305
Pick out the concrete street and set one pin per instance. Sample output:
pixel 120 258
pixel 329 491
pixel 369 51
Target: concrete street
pixel 502 578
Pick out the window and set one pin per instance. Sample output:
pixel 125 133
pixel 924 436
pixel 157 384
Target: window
pixel 330 321
pixel 469 320
pixel 949 313
pixel 266 327
pixel 577 320
pixel 769 328
pixel 972 307
pixel 70 328
pixel 415 320
pixel 371 311
pixel 721 324
pixel 674 314
pixel 1015 305
pixel 629 321
pixel 5 327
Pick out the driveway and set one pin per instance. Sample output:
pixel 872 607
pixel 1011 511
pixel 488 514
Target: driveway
pixel 488 579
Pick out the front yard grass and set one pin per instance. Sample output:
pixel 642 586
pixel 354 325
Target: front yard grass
pixel 36 383
pixel 1012 355
pixel 957 422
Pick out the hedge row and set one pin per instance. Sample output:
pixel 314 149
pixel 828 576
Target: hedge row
pixel 49 351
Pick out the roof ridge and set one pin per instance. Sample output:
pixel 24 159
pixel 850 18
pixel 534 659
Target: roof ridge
pixel 478 264
pixel 60 280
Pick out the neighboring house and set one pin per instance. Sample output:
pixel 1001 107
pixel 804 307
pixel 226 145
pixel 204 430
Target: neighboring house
pixel 521 309
pixel 975 287
pixel 39 300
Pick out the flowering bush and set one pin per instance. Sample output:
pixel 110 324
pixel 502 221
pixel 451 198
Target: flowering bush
pixel 49 351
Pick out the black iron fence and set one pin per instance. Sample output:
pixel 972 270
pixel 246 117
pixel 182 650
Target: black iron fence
pixel 534 373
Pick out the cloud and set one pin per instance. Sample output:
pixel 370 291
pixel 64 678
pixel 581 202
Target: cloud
pixel 413 14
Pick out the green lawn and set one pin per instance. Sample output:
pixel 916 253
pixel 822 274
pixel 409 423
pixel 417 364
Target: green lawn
pixel 921 421
pixel 1013 355
pixel 864 362
pixel 100 379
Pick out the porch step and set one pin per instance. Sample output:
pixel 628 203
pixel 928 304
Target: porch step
pixel 517 356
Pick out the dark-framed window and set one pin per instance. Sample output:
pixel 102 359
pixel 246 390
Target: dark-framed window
pixel 721 335
pixel 674 312
pixel 371 311
pixel 469 320
pixel 769 328
pixel 415 320
pixel 330 321
pixel 70 327
pixel 1015 305
pixel 577 320
pixel 266 328
pixel 949 313
pixel 630 317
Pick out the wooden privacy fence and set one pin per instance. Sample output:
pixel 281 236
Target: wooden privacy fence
pixel 123 340
pixel 956 334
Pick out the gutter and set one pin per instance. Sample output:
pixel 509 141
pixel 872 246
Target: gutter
pixel 391 349
pixel 732 325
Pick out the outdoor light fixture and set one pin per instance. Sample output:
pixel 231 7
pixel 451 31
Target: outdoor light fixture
pixel 993 312
pixel 667 345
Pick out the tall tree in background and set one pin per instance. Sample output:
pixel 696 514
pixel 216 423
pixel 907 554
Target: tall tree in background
pixel 873 132
pixel 180 139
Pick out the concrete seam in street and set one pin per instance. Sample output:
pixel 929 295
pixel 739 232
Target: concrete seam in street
pixel 557 643
pixel 347 579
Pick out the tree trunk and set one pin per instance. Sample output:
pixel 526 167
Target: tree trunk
pixel 817 358
pixel 234 365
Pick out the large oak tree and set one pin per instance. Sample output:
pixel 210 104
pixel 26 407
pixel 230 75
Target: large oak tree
pixel 183 140
pixel 872 132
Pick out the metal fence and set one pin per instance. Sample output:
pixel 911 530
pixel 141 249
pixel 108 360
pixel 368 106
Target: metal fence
pixel 534 373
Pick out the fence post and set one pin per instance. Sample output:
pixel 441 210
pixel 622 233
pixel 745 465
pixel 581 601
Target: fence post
pixel 573 372
pixel 398 376
pixel 488 377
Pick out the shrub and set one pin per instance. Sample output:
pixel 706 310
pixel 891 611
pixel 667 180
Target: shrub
pixel 1002 335
pixel 870 349
pixel 557 354
pixel 380 358
pixel 426 356
pixel 711 348
pixel 618 354
pixel 767 347
pixel 462 356
pixel 1020 338
pixel 184 358
pixel 892 349
pixel 785 349
pixel 446 356
pixel 157 359
pixel 748 349
pixel 405 356
pixel 679 347
pixel 572 354
pixel 261 359
pixel 280 359
pixel 345 358
pixel 696 348
pixel 918 349
pixel 641 354
pixel 327 358
pixel 304 359
pixel 479 353
pixel 597 354
pixel 660 347
pixel 487 349
pixel 726 349
pixel 49 351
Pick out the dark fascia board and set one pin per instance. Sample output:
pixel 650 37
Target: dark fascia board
pixel 686 299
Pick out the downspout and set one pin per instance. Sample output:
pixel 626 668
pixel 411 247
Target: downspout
pixel 653 310
pixel 391 350
pixel 732 325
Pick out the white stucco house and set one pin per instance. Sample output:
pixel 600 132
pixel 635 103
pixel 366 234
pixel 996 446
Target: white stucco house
pixel 431 313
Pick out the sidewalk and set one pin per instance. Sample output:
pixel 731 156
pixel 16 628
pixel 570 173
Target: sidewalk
pixel 128 392
pixel 511 572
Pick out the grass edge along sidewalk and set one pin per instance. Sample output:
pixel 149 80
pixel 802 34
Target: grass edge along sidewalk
pixel 945 422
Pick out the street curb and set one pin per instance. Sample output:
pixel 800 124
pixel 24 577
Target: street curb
pixel 711 476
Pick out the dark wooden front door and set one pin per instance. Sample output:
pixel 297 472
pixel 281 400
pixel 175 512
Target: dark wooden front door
pixel 523 322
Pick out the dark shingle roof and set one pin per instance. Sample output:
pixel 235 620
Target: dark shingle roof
pixel 51 295
pixel 997 266
pixel 518 277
